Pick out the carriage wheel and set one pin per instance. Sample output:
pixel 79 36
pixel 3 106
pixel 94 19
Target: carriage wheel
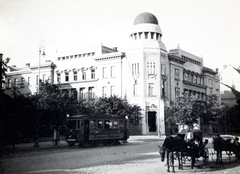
pixel 205 156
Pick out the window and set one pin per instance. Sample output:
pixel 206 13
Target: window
pixel 177 92
pixel 198 80
pixel 83 75
pixel 121 124
pixel 210 83
pixel 135 68
pixel 115 124
pixel 66 76
pixel 163 69
pixel 112 90
pixel 37 80
pixel 81 95
pixel 146 35
pixel 186 76
pixel 100 124
pixel 22 82
pixel 152 35
pixel 112 71
pixel 74 94
pixel 75 77
pixel 9 83
pixel 58 77
pixel 194 79
pixel 29 81
pixel 217 88
pixel 177 74
pixel 92 73
pixel 190 78
pixel 135 89
pixel 104 72
pixel 15 82
pixel 107 124
pixel 90 93
pixel 93 124
pixel 150 89
pixel 104 91
pixel 151 67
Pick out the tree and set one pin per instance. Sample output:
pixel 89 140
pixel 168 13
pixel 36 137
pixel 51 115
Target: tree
pixel 54 104
pixel 185 110
pixel 115 106
pixel 189 110
pixel 3 70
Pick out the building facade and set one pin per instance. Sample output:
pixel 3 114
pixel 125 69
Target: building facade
pixel 146 74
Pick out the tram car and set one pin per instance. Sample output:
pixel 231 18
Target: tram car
pixel 93 130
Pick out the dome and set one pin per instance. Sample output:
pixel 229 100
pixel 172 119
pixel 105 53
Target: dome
pixel 145 18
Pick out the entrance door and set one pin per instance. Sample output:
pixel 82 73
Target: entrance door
pixel 152 121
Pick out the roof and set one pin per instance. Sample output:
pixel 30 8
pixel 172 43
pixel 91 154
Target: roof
pixel 145 17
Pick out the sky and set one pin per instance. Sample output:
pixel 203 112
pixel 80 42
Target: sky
pixel 208 28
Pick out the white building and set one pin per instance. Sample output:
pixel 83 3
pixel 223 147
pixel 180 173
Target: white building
pixel 146 74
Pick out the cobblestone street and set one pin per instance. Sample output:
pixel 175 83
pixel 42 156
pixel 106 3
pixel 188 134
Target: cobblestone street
pixel 155 166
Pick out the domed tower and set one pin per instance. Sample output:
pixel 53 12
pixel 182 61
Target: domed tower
pixel 147 58
pixel 146 32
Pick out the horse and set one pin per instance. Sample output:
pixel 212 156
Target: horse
pixel 170 145
pixel 219 145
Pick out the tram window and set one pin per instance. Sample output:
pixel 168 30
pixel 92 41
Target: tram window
pixel 78 124
pixel 115 124
pixel 121 124
pixel 82 124
pixel 100 124
pixel 93 124
pixel 107 124
pixel 71 124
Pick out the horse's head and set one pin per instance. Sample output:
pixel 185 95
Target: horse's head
pixel 162 153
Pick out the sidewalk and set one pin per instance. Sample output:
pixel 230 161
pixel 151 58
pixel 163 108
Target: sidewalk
pixel 62 143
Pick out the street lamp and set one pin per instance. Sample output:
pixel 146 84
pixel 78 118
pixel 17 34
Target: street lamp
pixel 41 53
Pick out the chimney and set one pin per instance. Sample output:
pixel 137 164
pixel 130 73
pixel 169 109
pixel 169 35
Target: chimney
pixel 115 48
pixel 27 64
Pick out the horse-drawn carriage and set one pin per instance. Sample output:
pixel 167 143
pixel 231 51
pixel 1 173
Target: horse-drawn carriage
pixel 196 147
pixel 227 143
pixel 177 147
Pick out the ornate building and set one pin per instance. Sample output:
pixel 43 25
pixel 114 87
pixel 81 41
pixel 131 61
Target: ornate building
pixel 147 74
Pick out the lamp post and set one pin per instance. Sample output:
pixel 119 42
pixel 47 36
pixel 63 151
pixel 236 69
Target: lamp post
pixel 41 53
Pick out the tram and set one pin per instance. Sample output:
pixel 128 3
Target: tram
pixel 94 130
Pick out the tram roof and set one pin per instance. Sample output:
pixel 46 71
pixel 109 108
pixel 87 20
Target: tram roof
pixel 85 116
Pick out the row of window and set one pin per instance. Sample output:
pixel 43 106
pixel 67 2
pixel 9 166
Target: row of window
pixel 84 74
pixel 145 35
pixel 151 68
pixel 75 75
pixel 105 72
pixel 189 93
pixel 76 56
pixel 89 93
pixel 23 82
pixel 150 91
